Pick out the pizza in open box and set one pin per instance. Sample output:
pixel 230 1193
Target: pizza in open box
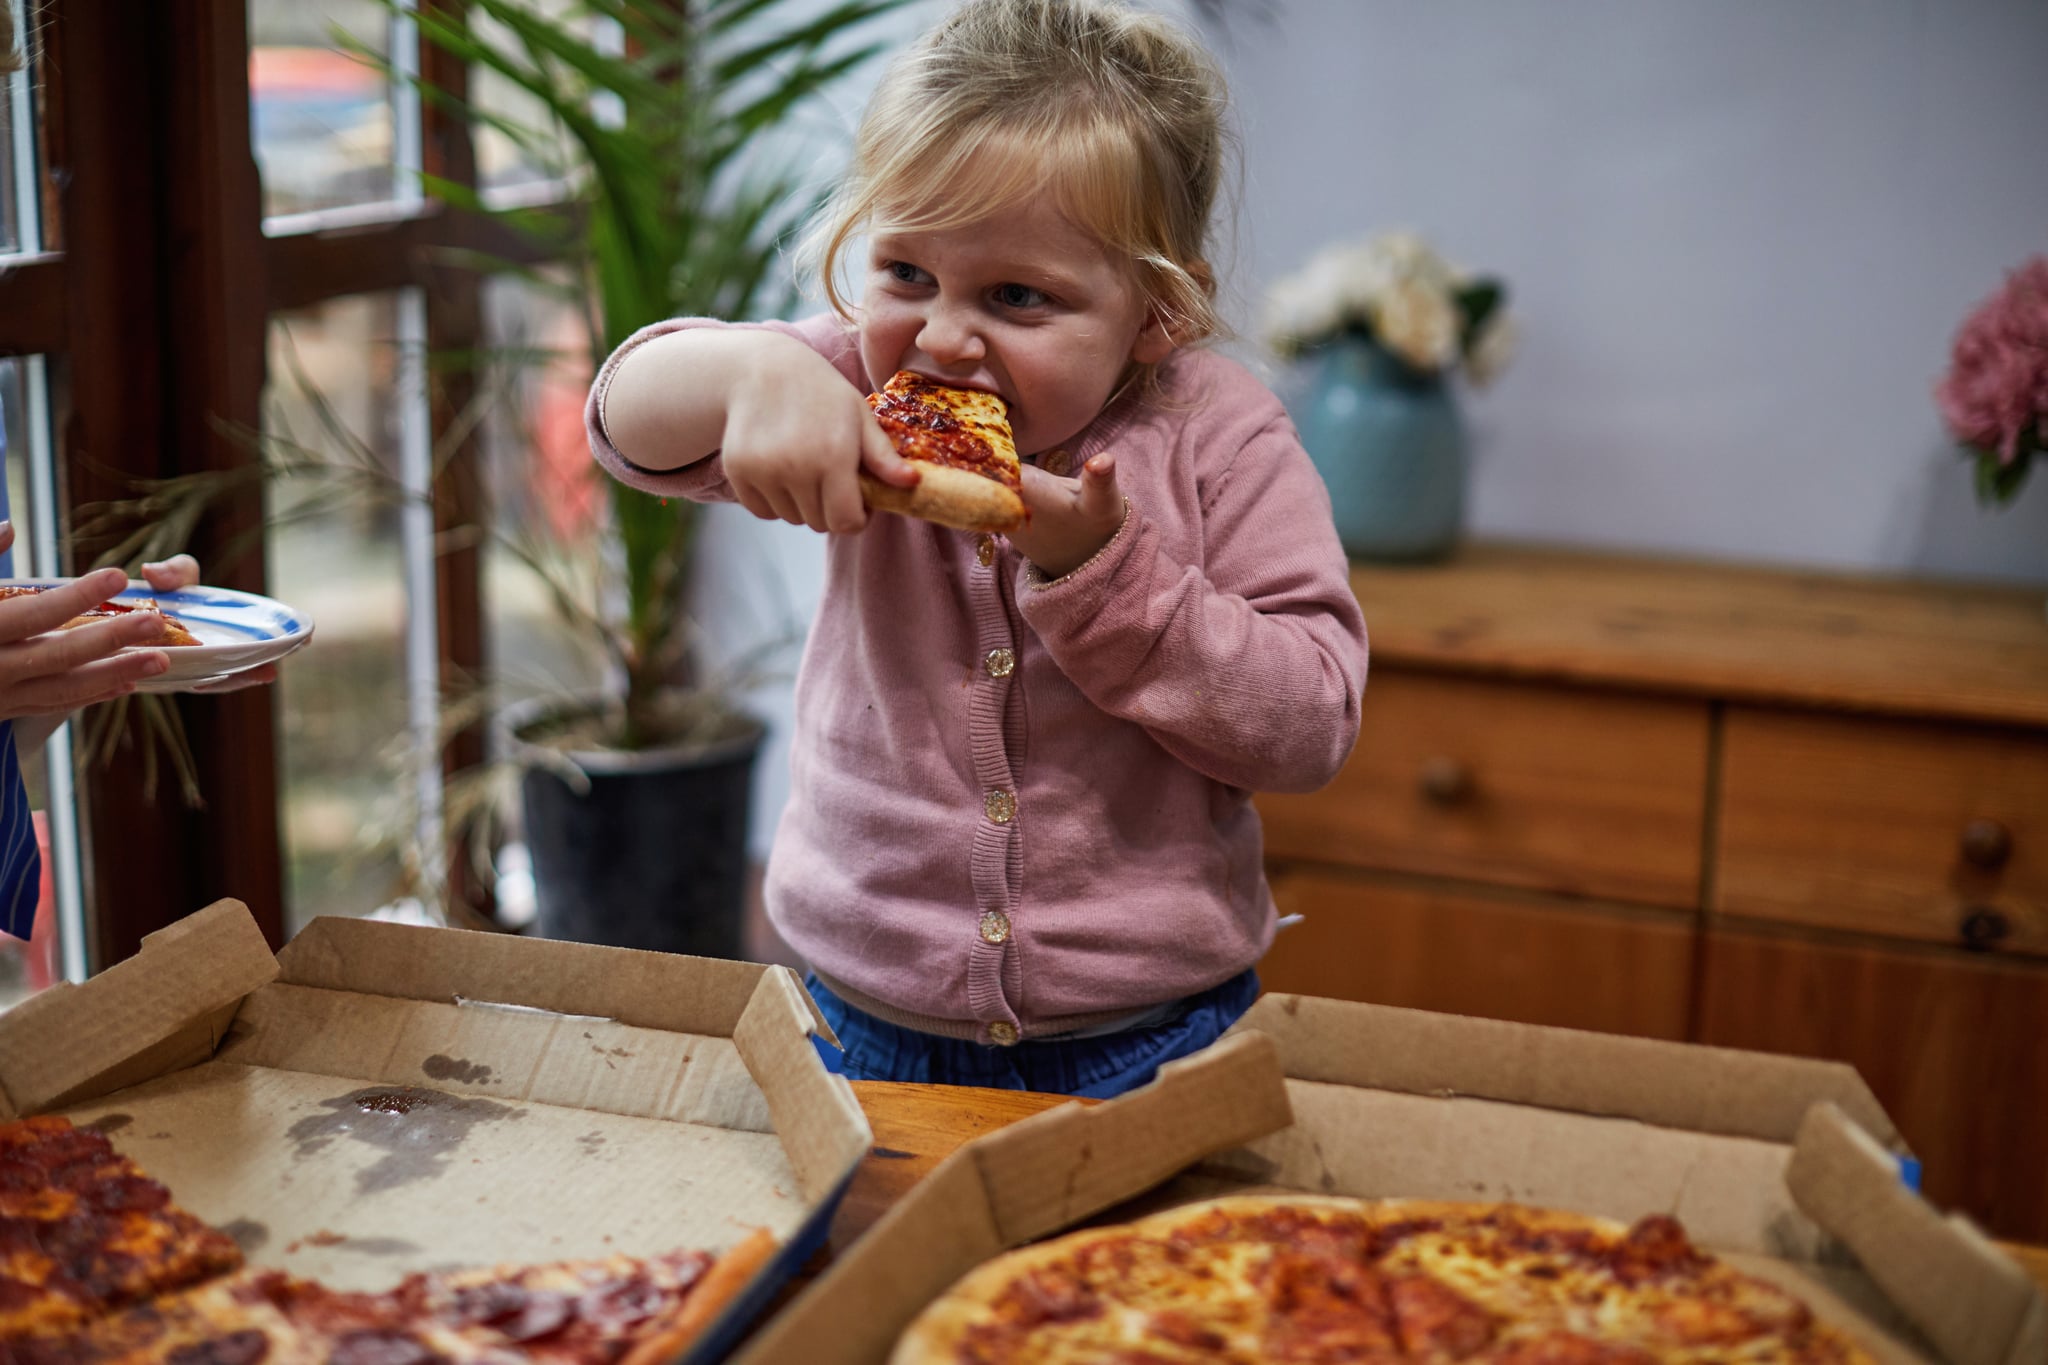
pixel 98 1267
pixel 1311 1278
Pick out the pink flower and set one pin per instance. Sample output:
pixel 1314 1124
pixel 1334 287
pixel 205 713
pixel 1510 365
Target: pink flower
pixel 1997 379
pixel 1996 389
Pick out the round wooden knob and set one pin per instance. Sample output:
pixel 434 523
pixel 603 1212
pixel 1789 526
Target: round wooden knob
pixel 1445 780
pixel 1986 844
pixel 1984 927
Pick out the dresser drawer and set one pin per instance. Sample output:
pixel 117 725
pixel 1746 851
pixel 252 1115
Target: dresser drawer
pixel 1907 829
pixel 1584 793
pixel 1950 1045
pixel 1495 955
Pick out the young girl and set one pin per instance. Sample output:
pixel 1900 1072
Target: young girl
pixel 1020 849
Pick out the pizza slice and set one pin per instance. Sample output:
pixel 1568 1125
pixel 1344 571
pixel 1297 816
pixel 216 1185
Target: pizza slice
pixel 174 632
pixel 257 1318
pixel 634 1310
pixel 959 439
pixel 622 1310
pixel 83 1230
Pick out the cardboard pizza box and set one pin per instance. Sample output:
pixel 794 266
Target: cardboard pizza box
pixel 378 1098
pixel 1787 1167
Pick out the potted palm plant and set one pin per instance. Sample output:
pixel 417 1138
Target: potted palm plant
pixel 653 114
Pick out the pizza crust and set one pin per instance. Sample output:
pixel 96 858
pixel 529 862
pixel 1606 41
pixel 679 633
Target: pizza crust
pixel 958 498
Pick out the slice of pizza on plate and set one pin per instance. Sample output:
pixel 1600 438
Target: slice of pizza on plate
pixel 959 439
pixel 173 634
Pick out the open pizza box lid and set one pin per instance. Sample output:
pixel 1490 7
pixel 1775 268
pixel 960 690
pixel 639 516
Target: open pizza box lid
pixel 379 1099
pixel 1787 1167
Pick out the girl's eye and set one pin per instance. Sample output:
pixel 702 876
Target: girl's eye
pixel 1018 296
pixel 903 272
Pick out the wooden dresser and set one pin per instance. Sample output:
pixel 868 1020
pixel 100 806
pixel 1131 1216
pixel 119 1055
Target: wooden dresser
pixel 1799 812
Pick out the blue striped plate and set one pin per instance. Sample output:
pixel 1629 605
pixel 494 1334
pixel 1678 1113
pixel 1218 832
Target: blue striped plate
pixel 236 631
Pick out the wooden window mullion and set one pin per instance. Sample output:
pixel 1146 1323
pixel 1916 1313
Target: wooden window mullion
pixel 455 327
pixel 165 329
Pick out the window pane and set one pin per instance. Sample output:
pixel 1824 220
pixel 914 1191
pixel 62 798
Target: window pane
pixel 546 497
pixel 335 397
pixel 325 126
pixel 17 144
pixel 546 492
pixel 504 162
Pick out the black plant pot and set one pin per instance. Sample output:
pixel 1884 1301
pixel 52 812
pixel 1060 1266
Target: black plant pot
pixel 652 855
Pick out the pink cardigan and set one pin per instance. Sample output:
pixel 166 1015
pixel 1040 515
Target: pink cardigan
pixel 1022 807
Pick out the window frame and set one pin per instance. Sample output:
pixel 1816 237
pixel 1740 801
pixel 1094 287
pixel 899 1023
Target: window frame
pixel 153 305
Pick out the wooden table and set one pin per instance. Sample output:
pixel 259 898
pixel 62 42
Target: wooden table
pixel 918 1126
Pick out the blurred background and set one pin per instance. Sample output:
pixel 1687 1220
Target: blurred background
pixel 1726 251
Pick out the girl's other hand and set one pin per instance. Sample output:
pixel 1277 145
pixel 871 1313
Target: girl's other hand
pixel 46 670
pixel 1071 519
pixel 796 438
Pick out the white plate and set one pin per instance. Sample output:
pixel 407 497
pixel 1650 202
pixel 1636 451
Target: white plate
pixel 236 631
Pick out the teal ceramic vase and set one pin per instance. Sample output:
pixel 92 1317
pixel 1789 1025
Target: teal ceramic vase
pixel 1391 447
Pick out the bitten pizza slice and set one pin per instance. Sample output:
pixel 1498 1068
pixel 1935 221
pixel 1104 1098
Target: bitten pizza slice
pixel 173 633
pixel 959 439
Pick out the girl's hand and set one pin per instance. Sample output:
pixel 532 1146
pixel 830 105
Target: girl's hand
pixel 48 671
pixel 797 437
pixel 1071 519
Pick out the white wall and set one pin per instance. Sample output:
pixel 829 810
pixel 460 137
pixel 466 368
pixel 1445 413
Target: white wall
pixel 1739 237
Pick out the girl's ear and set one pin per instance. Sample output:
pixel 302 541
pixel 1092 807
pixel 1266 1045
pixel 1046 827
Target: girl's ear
pixel 1162 335
pixel 1156 340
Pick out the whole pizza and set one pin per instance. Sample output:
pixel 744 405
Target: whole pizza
pixel 1309 1278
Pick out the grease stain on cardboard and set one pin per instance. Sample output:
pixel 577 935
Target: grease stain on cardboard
pixel 442 1067
pixel 417 1129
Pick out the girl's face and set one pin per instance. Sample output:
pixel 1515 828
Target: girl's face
pixel 1024 305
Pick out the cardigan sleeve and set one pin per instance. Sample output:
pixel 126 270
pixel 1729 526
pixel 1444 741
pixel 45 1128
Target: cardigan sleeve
pixel 1248 667
pixel 704 480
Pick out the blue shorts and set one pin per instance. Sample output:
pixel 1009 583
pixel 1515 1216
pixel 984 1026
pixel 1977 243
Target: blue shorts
pixel 876 1050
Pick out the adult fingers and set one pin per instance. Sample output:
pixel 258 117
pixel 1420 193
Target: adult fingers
pixel 58 693
pixel 6 536
pixel 878 455
pixel 248 677
pixel 34 613
pixel 179 571
pixel 60 651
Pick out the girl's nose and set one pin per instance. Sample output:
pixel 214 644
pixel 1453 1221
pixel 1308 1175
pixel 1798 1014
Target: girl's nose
pixel 949 335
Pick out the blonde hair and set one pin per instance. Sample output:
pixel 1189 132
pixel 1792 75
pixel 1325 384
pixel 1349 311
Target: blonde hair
pixel 1115 113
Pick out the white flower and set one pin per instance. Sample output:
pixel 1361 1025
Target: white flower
pixel 1407 255
pixel 1418 323
pixel 1393 286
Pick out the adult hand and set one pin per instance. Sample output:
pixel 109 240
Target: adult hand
pixel 182 571
pixel 46 670
pixel 1071 519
